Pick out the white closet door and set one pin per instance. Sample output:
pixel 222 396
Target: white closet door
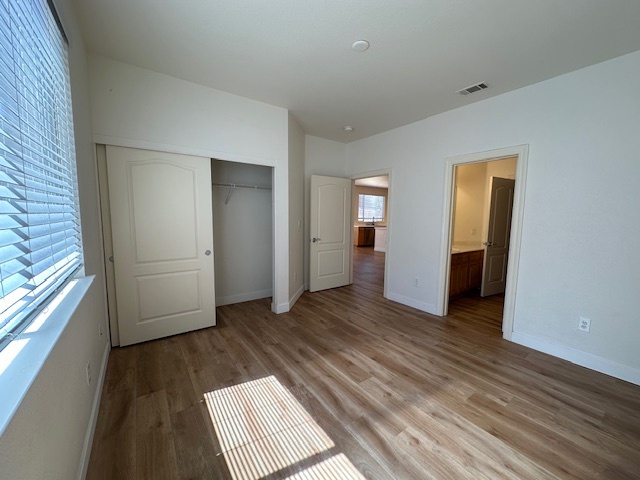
pixel 162 242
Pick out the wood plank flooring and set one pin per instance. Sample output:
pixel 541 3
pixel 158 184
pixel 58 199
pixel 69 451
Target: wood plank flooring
pixel 400 394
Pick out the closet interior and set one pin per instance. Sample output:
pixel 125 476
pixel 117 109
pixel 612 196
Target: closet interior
pixel 242 231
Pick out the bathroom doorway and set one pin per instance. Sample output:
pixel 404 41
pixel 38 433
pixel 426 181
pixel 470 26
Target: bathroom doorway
pixel 467 226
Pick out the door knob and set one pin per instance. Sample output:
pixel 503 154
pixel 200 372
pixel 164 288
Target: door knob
pixel 488 244
pixel 208 252
pixel 314 239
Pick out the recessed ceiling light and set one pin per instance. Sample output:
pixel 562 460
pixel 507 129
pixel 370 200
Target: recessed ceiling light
pixel 348 128
pixel 360 45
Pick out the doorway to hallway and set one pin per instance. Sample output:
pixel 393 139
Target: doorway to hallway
pixel 370 215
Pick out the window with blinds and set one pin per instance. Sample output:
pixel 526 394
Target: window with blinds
pixel 370 208
pixel 40 244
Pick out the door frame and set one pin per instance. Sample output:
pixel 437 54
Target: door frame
pixel 522 154
pixel 387 256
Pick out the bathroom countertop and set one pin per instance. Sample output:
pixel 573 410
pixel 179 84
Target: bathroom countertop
pixel 466 248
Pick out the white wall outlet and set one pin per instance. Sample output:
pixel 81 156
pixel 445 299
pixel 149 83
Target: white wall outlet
pixel 474 231
pixel 584 324
pixel 89 374
pixel 416 282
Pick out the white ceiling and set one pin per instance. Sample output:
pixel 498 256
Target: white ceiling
pixel 380 182
pixel 297 54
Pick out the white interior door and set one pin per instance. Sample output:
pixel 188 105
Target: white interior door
pixel 496 252
pixel 162 243
pixel 330 252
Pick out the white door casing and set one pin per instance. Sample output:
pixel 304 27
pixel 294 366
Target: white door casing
pixel 162 241
pixel 496 253
pixel 330 251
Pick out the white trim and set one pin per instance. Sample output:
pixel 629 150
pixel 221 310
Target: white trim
pixel 522 152
pixel 388 221
pixel 587 360
pixel 93 418
pixel 22 361
pixel 410 302
pixel 180 149
pixel 296 296
pixel 280 308
pixel 243 297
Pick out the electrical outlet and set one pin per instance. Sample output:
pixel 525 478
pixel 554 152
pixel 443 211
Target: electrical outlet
pixel 473 231
pixel 584 324
pixel 416 282
pixel 100 331
pixel 89 374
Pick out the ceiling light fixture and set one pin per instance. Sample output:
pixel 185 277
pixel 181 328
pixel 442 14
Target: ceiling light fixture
pixel 348 128
pixel 360 45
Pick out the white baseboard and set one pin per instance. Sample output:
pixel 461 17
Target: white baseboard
pixel 411 302
pixel 296 296
pixel 587 360
pixel 243 297
pixel 93 418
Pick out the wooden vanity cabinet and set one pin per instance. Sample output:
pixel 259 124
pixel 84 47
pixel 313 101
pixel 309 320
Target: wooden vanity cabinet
pixel 466 272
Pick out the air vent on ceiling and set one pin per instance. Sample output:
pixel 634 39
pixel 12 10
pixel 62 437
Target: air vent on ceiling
pixel 473 88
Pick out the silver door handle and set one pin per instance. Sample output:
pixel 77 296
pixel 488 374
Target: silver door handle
pixel 314 239
pixel 488 244
pixel 208 252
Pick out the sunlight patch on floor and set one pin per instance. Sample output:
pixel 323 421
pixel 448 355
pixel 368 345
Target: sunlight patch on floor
pixel 335 467
pixel 263 429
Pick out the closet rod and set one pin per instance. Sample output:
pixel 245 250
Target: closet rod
pixel 237 185
pixel 231 186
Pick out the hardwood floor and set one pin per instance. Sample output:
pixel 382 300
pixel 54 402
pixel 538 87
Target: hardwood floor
pixel 352 379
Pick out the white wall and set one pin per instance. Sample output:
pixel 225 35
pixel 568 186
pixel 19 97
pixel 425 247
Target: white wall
pixel 138 108
pixel 578 253
pixel 47 435
pixel 296 210
pixel 242 230
pixel 321 157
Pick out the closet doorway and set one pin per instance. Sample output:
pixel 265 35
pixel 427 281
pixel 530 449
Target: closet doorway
pixel 242 231
pixel 164 209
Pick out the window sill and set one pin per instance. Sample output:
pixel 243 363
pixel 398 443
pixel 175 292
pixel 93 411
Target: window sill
pixel 22 360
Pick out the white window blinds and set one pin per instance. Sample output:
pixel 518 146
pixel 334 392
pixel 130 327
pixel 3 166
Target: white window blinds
pixel 370 208
pixel 40 243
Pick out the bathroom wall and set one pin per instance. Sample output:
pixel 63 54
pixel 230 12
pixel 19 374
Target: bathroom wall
pixel 473 200
pixel 469 210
